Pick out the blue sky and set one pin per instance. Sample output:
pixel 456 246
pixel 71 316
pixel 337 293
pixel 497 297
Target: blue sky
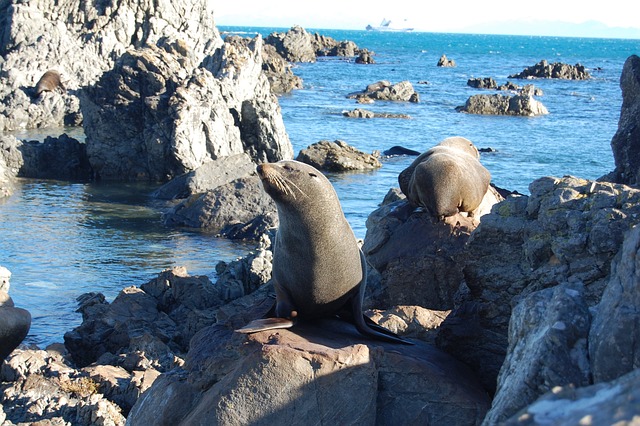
pixel 611 18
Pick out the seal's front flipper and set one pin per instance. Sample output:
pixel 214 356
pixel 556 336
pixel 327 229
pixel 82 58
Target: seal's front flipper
pixel 265 324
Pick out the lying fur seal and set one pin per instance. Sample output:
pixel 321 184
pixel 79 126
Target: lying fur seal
pixel 318 268
pixel 49 82
pixel 447 179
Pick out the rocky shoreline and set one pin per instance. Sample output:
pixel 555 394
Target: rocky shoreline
pixel 517 318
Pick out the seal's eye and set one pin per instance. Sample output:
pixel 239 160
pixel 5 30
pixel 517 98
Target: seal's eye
pixel 313 175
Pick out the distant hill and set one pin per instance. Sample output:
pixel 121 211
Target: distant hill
pixel 554 28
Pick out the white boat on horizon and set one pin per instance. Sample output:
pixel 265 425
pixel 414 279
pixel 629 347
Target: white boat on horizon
pixel 386 25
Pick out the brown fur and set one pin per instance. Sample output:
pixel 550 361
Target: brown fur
pixel 446 179
pixel 49 82
pixel 318 268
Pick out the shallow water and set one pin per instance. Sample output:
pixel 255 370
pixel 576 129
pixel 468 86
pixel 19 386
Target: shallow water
pixel 63 239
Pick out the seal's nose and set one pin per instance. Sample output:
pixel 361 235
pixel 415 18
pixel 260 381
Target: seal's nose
pixel 260 169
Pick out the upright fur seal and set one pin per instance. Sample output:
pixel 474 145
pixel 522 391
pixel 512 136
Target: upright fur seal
pixel 318 268
pixel 446 179
pixel 49 82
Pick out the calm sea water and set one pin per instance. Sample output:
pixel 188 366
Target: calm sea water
pixel 63 239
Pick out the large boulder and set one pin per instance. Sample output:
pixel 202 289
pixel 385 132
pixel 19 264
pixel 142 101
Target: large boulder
pixel 523 104
pixel 237 203
pixel 415 259
pixel 173 116
pixel 210 175
pixel 626 142
pixel 547 347
pixel 384 90
pixel 81 40
pixel 568 230
pixel 544 69
pixel 337 156
pixel 314 373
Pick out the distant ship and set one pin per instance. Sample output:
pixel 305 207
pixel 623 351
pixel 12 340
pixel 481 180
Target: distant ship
pixel 386 25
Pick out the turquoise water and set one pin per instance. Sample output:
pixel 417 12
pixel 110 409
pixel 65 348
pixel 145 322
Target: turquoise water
pixel 63 239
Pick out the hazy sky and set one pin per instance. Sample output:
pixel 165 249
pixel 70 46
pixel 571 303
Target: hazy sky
pixel 541 17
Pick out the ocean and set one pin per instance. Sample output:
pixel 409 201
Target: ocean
pixel 62 239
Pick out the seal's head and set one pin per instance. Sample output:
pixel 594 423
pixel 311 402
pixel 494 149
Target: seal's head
pixel 463 144
pixel 289 180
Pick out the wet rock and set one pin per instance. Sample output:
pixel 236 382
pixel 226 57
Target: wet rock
pixel 385 91
pixel 236 203
pixel 298 45
pixel 63 158
pixel 544 69
pixel 210 175
pixel 522 104
pixel 337 156
pixel 365 57
pixel 482 83
pixel 446 62
pixel 363 113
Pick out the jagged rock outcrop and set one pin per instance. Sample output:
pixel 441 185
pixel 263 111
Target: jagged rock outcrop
pixel 298 45
pixel 568 362
pixel 547 347
pixel 81 40
pixel 446 62
pixel 41 387
pixel 567 231
pixel 626 142
pixel 614 337
pixel 482 83
pixel 337 156
pixel 173 116
pixel 490 83
pixel 278 71
pixel 544 69
pixel 385 91
pixel 150 326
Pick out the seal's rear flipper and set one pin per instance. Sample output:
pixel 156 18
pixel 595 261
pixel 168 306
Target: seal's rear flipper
pixel 265 324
